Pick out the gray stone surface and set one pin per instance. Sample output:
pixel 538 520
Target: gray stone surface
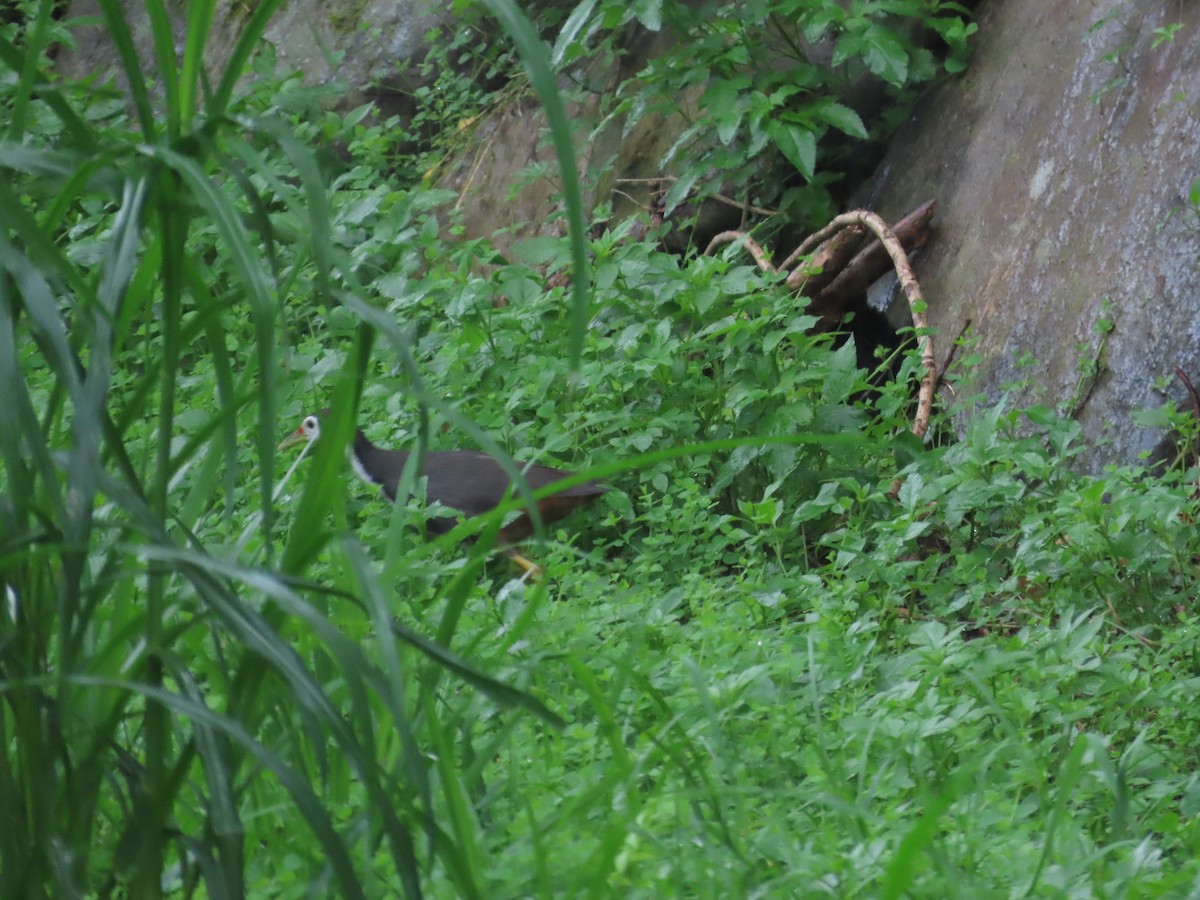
pixel 358 43
pixel 1062 161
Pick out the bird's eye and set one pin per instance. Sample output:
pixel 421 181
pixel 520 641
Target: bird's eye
pixel 310 425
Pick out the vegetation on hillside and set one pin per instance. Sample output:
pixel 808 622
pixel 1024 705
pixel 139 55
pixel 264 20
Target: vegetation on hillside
pixel 753 669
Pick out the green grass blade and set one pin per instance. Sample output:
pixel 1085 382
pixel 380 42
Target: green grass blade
pixel 28 75
pixel 315 201
pixel 39 247
pixel 310 531
pixel 81 135
pixel 903 868
pixel 390 686
pixel 243 254
pixel 499 692
pixel 122 38
pixel 541 76
pixel 465 829
pixel 221 800
pixel 297 786
pixel 168 65
pixel 199 24
pixel 1070 770
pixel 253 30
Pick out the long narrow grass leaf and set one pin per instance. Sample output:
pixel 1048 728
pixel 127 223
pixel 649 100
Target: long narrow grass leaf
pixel 122 37
pixel 247 263
pixel 307 803
pixel 168 65
pixel 541 76
pixel 245 45
pixel 199 24
pixel 79 131
pixel 28 76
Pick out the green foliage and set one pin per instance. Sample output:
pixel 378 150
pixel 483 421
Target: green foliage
pixel 154 628
pixel 1090 365
pixel 1165 34
pixel 769 671
pixel 777 78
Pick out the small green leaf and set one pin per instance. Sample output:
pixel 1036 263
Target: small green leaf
pixel 570 32
pixel 879 49
pixel 649 13
pixel 906 447
pixel 843 118
pixel 910 491
pixel 1157 417
pixel 798 144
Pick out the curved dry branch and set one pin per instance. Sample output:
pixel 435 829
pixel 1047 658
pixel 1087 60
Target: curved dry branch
pixel 755 248
pixel 719 198
pixel 912 293
pixel 865 219
pixel 827 262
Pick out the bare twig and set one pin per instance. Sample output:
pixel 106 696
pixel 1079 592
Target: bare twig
pixel 832 297
pixel 950 356
pixel 908 283
pixel 912 293
pixel 720 198
pixel 865 219
pixel 756 250
pixel 1192 395
pixel 831 257
pixel 1195 398
pixel 1116 621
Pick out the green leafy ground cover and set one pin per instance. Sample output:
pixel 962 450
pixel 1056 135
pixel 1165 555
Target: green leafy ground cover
pixel 750 671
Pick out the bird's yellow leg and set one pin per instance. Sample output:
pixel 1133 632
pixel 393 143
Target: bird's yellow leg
pixel 532 570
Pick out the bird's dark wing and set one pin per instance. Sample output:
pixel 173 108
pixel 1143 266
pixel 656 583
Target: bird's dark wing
pixel 465 480
pixel 473 482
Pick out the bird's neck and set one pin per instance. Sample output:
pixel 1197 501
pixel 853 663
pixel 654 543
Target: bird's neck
pixel 375 465
pixel 359 454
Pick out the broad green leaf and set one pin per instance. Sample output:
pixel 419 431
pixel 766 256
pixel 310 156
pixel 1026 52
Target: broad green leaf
pixel 649 13
pixel 798 144
pixel 569 33
pixel 884 55
pixel 843 118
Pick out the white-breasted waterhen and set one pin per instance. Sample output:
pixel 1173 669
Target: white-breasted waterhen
pixel 465 480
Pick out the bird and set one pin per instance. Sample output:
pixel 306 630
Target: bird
pixel 465 480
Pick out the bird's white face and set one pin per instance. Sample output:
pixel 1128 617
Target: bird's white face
pixel 310 428
pixel 309 431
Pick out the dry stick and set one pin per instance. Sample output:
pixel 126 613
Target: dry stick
pixel 864 267
pixel 829 261
pixel 942 380
pixel 756 250
pixel 908 284
pixel 1116 621
pixel 720 198
pixel 912 293
pixel 462 194
pixel 1195 398
pixel 1192 395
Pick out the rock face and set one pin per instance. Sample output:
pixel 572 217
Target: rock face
pixel 1062 162
pixel 306 35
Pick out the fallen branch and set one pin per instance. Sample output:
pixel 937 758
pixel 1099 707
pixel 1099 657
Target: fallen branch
pixel 719 198
pixel 755 248
pixel 832 299
pixel 1191 391
pixel 864 220
pixel 831 257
